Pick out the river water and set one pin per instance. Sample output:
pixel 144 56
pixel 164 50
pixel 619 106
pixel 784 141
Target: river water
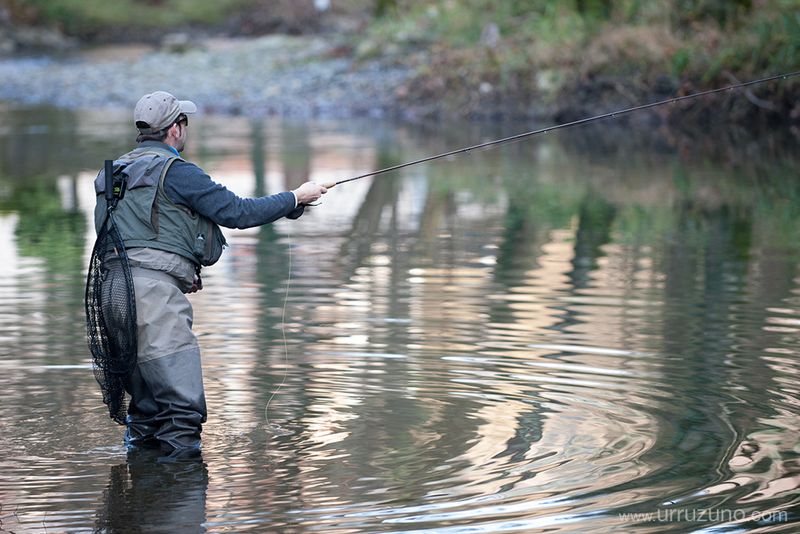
pixel 595 330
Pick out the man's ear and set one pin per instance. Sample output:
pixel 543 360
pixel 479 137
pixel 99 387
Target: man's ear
pixel 173 131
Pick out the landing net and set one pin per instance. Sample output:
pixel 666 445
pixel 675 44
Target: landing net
pixel 111 318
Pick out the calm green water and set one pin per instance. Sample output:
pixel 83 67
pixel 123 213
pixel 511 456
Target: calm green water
pixel 554 335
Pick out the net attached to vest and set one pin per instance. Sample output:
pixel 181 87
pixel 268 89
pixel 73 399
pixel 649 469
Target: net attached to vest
pixel 111 310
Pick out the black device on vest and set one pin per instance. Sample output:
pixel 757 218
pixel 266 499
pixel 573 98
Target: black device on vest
pixel 109 175
pixel 115 183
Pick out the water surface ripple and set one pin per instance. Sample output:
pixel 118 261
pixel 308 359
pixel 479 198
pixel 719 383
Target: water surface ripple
pixel 594 345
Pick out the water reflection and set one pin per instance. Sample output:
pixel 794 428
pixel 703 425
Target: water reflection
pixel 540 336
pixel 147 493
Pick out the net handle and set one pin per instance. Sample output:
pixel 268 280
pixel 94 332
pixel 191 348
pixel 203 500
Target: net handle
pixel 109 171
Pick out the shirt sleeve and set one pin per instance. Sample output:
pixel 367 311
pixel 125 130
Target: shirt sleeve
pixel 188 185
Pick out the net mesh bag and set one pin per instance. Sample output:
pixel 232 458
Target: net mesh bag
pixel 111 317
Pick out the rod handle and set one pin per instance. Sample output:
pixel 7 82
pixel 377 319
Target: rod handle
pixel 109 175
pixel 328 185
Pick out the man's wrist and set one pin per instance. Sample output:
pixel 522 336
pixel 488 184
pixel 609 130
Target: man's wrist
pixel 295 199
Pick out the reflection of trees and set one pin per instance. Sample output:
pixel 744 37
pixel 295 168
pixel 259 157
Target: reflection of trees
pixel 710 334
pixel 52 141
pixel 700 257
pixel 55 235
pixel 380 199
pixel 595 219
pixel 389 417
pixel 295 153
pixel 47 230
pixel 535 211
pixel 272 261
pixel 711 313
pixel 258 144
pixel 760 462
pixel 386 430
pixel 45 143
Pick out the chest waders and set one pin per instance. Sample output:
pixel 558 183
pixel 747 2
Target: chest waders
pixel 110 304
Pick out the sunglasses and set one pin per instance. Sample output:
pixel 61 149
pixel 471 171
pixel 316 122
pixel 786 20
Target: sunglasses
pixel 182 119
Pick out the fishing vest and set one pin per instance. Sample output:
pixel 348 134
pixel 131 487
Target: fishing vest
pixel 146 217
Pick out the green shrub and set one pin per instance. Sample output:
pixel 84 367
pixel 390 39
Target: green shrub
pixel 509 44
pixel 83 18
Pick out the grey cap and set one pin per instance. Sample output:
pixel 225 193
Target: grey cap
pixel 158 110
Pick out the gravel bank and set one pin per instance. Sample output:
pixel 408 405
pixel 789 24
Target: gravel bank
pixel 274 75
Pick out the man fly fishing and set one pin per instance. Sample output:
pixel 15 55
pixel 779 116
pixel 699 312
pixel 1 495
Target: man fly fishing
pixel 168 224
pixel 164 230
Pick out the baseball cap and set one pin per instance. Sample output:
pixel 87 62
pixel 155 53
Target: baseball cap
pixel 156 111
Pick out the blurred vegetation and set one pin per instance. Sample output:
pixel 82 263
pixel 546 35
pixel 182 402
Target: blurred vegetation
pixel 512 57
pixel 113 20
pixel 88 18
pixel 480 52
pixel 46 229
pixel 582 176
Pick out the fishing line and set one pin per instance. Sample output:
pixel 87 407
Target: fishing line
pixel 283 330
pixel 565 125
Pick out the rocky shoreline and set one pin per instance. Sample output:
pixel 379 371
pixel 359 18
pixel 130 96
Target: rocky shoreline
pixel 314 76
pixel 296 76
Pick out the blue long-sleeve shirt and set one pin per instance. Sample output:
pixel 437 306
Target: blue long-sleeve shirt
pixel 188 185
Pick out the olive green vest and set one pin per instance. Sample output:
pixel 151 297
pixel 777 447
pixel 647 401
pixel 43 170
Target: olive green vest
pixel 146 217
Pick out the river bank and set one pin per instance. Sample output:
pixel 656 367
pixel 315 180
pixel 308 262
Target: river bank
pixel 546 61
pixel 316 76
pixel 273 75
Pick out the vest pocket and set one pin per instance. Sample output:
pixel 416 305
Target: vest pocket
pixel 209 243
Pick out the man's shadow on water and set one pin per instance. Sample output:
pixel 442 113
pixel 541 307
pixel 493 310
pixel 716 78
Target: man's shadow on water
pixel 152 493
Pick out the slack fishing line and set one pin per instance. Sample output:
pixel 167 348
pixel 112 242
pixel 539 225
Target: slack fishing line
pixel 283 332
pixel 565 125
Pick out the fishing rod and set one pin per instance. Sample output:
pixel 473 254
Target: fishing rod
pixel 562 126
